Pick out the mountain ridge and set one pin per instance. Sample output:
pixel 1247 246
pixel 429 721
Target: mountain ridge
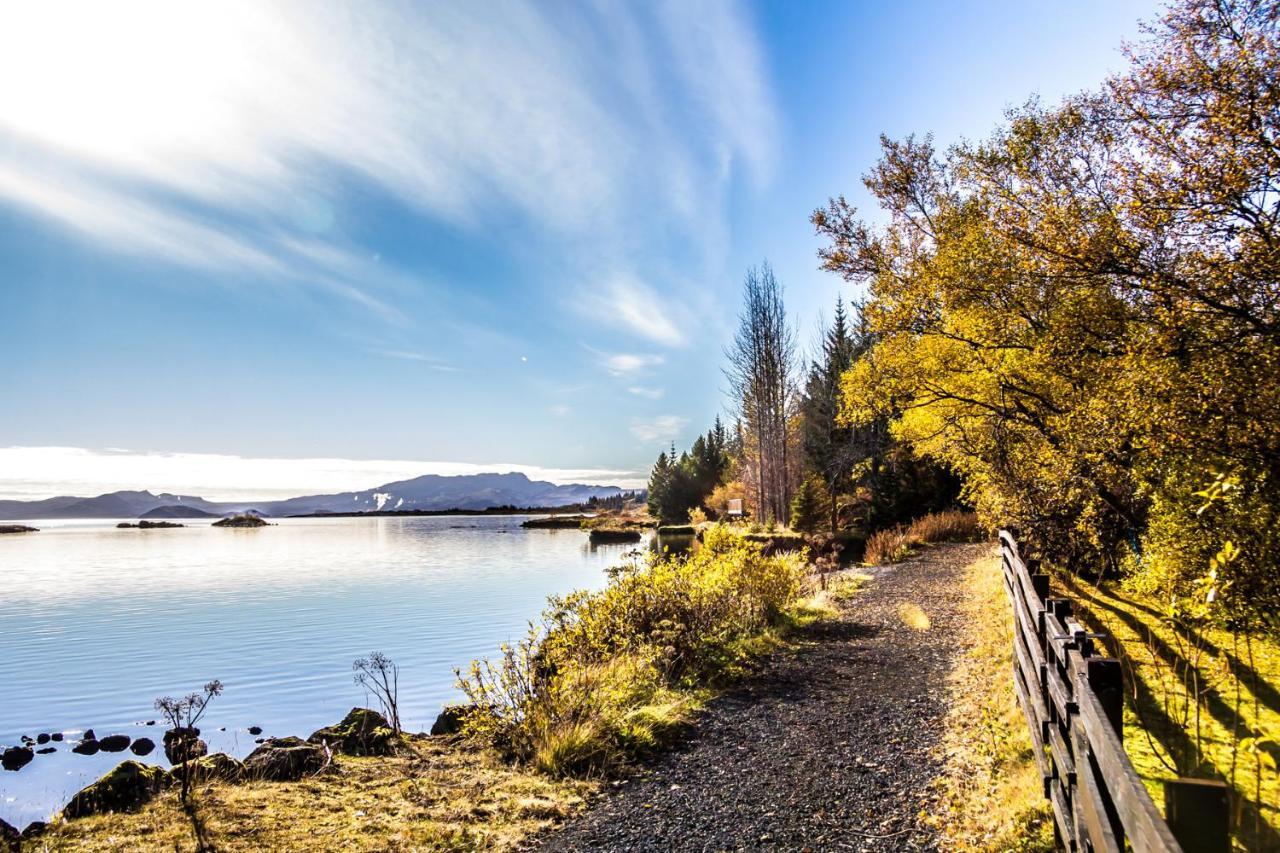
pixel 426 492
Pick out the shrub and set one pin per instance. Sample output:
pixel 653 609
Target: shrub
pixel 607 675
pixel 897 543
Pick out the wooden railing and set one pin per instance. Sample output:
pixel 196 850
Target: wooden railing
pixel 1073 699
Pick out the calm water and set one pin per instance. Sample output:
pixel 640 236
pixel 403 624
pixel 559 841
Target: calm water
pixel 95 623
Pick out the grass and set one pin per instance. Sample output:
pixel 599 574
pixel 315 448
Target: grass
pixel 895 544
pixel 1161 725
pixel 438 795
pixel 989 795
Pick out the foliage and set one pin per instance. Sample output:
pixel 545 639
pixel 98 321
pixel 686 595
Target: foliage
pixel 1079 315
pixel 379 675
pixel 809 506
pixel 718 500
pixel 609 674
pixel 677 486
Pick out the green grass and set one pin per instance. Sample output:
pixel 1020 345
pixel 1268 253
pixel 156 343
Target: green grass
pixel 1165 735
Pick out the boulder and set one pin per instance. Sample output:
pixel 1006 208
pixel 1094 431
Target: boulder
pixel 115 743
pixel 142 746
pixel 450 720
pixel 88 735
pixel 255 730
pixel 56 737
pixel 16 757
pixel 86 747
pixel 285 759
pixel 183 744
pixel 42 738
pixel 361 732
pixel 10 838
pixel 128 786
pixel 46 750
pixel 34 830
pixel 219 766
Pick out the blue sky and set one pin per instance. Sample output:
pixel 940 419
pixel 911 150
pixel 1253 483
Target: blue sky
pixel 383 237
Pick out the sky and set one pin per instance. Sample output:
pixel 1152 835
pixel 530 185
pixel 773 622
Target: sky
pixel 254 248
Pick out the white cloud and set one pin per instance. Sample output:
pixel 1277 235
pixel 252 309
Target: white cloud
pixel 30 473
pixel 220 135
pixel 431 362
pixel 628 363
pixel 648 393
pixel 631 305
pixel 559 410
pixel 663 428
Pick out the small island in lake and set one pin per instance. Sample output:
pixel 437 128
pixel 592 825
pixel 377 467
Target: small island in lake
pixel 18 528
pixel 147 525
pixel 243 520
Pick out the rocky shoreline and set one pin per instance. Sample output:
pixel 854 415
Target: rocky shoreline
pixel 132 783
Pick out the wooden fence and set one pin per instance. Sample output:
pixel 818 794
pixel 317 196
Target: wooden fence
pixel 1073 699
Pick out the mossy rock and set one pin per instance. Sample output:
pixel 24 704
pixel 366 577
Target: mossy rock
pixel 361 732
pixel 128 786
pixel 451 719
pixel 285 759
pixel 219 766
pixel 10 838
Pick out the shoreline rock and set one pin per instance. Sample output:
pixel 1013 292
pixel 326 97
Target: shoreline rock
pixel 129 785
pixel 16 757
pixel 285 759
pixel 361 732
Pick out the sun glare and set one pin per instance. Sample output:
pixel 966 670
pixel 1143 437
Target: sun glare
pixel 124 81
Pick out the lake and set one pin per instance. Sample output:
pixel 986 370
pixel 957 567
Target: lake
pixel 95 623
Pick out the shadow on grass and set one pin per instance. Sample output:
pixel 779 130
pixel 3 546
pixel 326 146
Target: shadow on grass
pixel 1252 828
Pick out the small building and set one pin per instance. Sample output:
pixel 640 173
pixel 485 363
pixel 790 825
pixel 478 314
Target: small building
pixel 735 508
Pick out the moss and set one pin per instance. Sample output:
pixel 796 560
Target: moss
pixel 361 732
pixel 128 785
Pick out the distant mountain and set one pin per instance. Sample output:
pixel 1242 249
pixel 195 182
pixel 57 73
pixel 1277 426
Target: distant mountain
pixel 430 492
pixel 178 511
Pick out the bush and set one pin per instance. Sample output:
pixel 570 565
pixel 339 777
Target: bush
pixel 897 543
pixel 607 675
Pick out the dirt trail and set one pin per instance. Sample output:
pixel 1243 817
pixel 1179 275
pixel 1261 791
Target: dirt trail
pixel 830 748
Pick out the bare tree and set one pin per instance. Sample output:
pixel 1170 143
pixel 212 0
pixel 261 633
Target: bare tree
pixel 182 715
pixel 380 676
pixel 762 378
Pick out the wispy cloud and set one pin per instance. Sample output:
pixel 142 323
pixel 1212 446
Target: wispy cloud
pixel 663 428
pixel 635 307
pixel 221 135
pixel 31 473
pixel 648 393
pixel 628 363
pixel 410 355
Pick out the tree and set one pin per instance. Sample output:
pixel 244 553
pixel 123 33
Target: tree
pixel 1080 315
pixel 808 507
pixel 831 447
pixel 761 374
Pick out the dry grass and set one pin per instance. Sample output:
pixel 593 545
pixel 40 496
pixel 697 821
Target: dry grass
pixel 898 543
pixel 989 796
pixel 437 796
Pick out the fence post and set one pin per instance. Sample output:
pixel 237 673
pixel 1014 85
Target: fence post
pixel 1198 813
pixel 1106 679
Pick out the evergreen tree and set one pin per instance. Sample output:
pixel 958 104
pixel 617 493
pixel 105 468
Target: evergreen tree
pixel 832 449
pixel 808 508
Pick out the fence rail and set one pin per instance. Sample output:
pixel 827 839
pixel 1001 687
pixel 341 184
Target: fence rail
pixel 1073 699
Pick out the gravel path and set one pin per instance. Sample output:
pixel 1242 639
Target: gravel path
pixel 828 749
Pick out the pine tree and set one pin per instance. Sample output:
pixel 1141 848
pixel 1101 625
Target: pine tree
pixel 808 507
